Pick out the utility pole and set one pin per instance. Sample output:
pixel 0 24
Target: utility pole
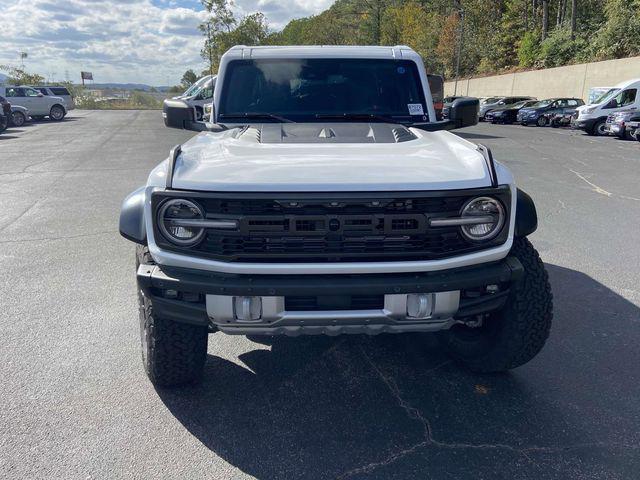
pixel 209 48
pixel 23 55
pixel 459 49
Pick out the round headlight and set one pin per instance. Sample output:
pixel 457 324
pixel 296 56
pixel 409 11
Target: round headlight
pixel 175 221
pixel 488 208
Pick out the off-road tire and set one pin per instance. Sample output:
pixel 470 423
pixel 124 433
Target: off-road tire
pixel 173 353
pixel 517 332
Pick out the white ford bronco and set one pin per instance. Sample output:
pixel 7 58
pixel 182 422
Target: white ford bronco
pixel 324 198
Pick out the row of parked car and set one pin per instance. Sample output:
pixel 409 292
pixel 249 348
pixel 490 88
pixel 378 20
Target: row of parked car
pixel 22 103
pixel 615 112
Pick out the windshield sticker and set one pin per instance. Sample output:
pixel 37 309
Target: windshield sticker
pixel 415 109
pixel 401 70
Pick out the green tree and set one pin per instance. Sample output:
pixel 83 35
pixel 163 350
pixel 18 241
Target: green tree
pixel 619 36
pixel 189 78
pixel 19 76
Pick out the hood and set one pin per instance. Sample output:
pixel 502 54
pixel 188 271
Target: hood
pixel 317 157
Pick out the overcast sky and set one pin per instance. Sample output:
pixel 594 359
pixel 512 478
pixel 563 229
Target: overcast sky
pixel 142 41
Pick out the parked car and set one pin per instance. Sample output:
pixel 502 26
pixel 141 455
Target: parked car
pixel 616 124
pixel 199 94
pixel 38 104
pixel 492 103
pixel 17 115
pixel 58 91
pixel 508 113
pixel 290 214
pixel 593 118
pixel 538 113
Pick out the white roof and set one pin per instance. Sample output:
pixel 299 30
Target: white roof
pixel 322 51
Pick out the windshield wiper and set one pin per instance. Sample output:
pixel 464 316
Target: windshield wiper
pixel 256 116
pixel 358 116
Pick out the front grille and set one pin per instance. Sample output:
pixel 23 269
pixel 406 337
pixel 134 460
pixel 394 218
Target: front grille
pixel 319 228
pixel 333 302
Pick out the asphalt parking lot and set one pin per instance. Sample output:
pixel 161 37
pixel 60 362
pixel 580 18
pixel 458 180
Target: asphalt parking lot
pixel 75 402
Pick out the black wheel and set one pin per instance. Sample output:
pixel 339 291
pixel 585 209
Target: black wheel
pixel 173 353
pixel 3 124
pixel 56 113
pixel 513 335
pixel 542 121
pixel 18 119
pixel 598 129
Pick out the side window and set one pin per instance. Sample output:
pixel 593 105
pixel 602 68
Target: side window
pixel 561 104
pixel 15 92
pixel 573 103
pixel 41 90
pixel 30 92
pixel 627 97
pixel 59 91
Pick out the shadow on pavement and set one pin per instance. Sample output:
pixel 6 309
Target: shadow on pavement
pixel 394 406
pixel 475 136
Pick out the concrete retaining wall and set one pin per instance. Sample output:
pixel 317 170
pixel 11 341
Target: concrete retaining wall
pixel 569 81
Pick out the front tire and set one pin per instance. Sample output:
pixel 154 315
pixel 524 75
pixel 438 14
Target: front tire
pixel 18 119
pixel 598 129
pixel 542 121
pixel 56 113
pixel 516 333
pixel 173 353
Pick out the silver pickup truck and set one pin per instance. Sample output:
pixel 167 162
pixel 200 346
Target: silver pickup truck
pixel 325 198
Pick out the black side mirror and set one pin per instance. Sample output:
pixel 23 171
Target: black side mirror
pixel 464 112
pixel 178 114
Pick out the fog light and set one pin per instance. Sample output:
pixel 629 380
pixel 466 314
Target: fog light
pixel 418 305
pixel 170 293
pixel 247 309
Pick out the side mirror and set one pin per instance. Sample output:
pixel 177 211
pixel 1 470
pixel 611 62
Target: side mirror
pixel 464 112
pixel 178 114
pixel 501 103
pixel 613 103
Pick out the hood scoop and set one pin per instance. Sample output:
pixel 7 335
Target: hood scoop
pixel 325 133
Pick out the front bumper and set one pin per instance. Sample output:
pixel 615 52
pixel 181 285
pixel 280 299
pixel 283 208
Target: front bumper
pixel 584 124
pixel 216 299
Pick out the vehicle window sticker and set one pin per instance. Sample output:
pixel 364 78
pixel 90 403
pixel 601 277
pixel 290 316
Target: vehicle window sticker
pixel 415 109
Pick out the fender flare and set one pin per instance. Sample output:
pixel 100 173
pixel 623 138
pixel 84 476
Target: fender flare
pixel 526 215
pixel 132 224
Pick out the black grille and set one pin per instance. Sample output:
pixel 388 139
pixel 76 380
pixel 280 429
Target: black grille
pixel 333 302
pixel 359 227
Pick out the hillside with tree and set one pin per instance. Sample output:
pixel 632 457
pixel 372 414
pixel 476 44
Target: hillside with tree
pixel 497 35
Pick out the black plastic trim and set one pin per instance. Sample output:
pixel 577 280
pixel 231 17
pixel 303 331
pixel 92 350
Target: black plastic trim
pixel 526 215
pixel 173 155
pixel 132 225
pixel 197 281
pixel 488 156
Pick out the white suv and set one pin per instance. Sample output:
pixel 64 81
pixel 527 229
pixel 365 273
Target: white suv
pixel 58 91
pixel 38 104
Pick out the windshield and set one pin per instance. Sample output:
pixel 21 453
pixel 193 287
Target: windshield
pixel 304 89
pixel 491 100
pixel 519 105
pixel 607 96
pixel 195 86
pixel 205 88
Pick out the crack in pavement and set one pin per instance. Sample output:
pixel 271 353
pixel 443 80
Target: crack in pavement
pixel 429 440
